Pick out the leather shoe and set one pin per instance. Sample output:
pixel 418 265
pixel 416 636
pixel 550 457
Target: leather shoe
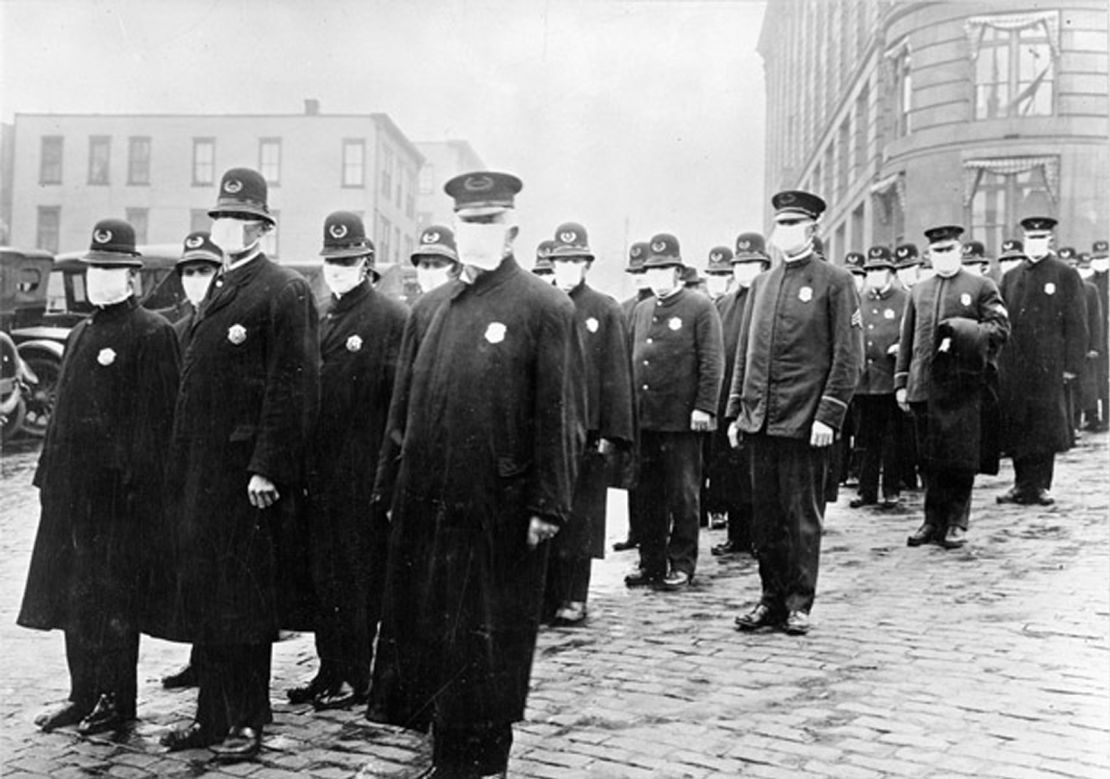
pixel 727 548
pixel 69 713
pixel 922 535
pixel 189 737
pixel 890 503
pixel 341 696
pixel 759 617
pixel 104 716
pixel 1013 495
pixel 640 578
pixel 570 615
pixel 954 538
pixel 674 581
pixel 306 693
pixel 186 677
pixel 797 623
pixel 625 545
pixel 861 501
pixel 239 744
pixel 1041 498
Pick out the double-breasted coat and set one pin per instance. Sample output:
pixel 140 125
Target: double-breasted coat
pixel 360 339
pixel 248 399
pixel 100 474
pixel 1088 380
pixel 932 303
pixel 1049 320
pixel 488 417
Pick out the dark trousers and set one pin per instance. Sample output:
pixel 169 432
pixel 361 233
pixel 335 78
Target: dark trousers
pixel 905 443
pixel 102 662
pixel 635 512
pixel 788 497
pixel 1034 472
pixel 467 753
pixel 730 488
pixel 948 497
pixel 568 580
pixel 234 681
pixel 878 429
pixel 670 486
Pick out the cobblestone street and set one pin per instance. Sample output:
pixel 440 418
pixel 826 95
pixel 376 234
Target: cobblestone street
pixel 991 661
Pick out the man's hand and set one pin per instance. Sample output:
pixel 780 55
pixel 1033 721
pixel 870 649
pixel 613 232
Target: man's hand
pixel 1068 377
pixel 945 344
pixel 821 434
pixel 900 398
pixel 734 434
pixel 893 349
pixel 1092 355
pixel 700 421
pixel 261 492
pixel 604 446
pixel 540 530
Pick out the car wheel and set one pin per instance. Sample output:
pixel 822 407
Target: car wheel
pixel 40 397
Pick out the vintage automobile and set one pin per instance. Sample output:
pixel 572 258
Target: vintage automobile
pixel 24 275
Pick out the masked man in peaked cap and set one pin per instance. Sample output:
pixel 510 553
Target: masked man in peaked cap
pixel 435 258
pixel 248 398
pixel 1100 263
pixel 543 267
pixel 360 337
pixel 1046 352
pixel 488 412
pixel 1085 395
pixel 101 488
pixel 610 425
pixel 796 368
pixel 730 479
pixel 948 384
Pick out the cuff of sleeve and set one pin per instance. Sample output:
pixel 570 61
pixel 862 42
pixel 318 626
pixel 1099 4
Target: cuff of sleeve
pixel 831 411
pixel 900 381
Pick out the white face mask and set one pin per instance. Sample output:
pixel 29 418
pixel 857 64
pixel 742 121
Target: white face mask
pixel 791 239
pixel 569 275
pixel 946 263
pixel 975 268
pixel 662 281
pixel 877 279
pixel 1037 248
pixel 105 286
pixel 1100 265
pixel 481 244
pixel 1086 273
pixel 859 280
pixel 925 274
pixel 908 276
pixel 196 284
pixel 640 280
pixel 341 279
pixel 431 277
pixel 745 272
pixel 231 235
pixel 1005 266
pixel 716 284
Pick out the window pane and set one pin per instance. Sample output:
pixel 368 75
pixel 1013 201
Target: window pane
pixel 269 159
pixel 204 161
pixel 138 218
pixel 354 152
pixel 99 158
pixel 49 221
pixel 1035 80
pixel 50 163
pixel 138 161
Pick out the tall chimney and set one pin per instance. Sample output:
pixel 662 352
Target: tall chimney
pixel 311 106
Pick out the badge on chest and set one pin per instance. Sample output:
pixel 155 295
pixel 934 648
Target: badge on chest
pixel 1050 288
pixel 495 332
pixel 106 356
pixel 592 324
pixel 805 294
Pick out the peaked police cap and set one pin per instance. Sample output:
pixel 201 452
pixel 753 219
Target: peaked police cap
pixel 438 241
pixel 345 236
pixel 113 243
pixel 483 191
pixel 243 195
pixel 198 247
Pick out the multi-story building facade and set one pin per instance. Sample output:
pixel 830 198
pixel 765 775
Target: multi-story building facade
pixel 442 161
pixel 160 172
pixel 904 115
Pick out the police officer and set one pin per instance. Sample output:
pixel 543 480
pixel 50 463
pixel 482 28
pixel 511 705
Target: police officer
pixel 718 282
pixel 249 394
pixel 854 262
pixel 954 325
pixel 488 410
pixel 907 261
pixel 676 361
pixel 1086 387
pixel 974 258
pixel 93 561
pixel 718 272
pixel 610 425
pixel 884 302
pixel 637 255
pixel 796 369
pixel 435 258
pixel 1013 255
pixel 730 469
pixel 1046 352
pixel 1100 262
pixel 907 267
pixel 200 260
pixel 360 337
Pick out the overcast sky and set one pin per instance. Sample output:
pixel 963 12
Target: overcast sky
pixel 645 112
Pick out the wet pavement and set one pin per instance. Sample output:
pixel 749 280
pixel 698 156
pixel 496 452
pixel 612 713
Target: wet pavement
pixel 990 661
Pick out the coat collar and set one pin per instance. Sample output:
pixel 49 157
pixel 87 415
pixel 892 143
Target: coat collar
pixel 351 299
pixel 115 310
pixel 488 280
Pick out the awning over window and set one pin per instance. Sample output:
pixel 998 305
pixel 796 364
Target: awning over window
pixel 1048 20
pixel 894 184
pixel 1010 166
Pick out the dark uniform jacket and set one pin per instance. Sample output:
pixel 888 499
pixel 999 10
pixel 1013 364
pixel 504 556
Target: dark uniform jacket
pixel 1049 318
pixel 677 354
pixel 628 306
pixel 248 398
pixel 801 350
pixel 882 328
pixel 931 302
pixel 100 473
pixel 1096 317
pixel 360 338
pixel 488 414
